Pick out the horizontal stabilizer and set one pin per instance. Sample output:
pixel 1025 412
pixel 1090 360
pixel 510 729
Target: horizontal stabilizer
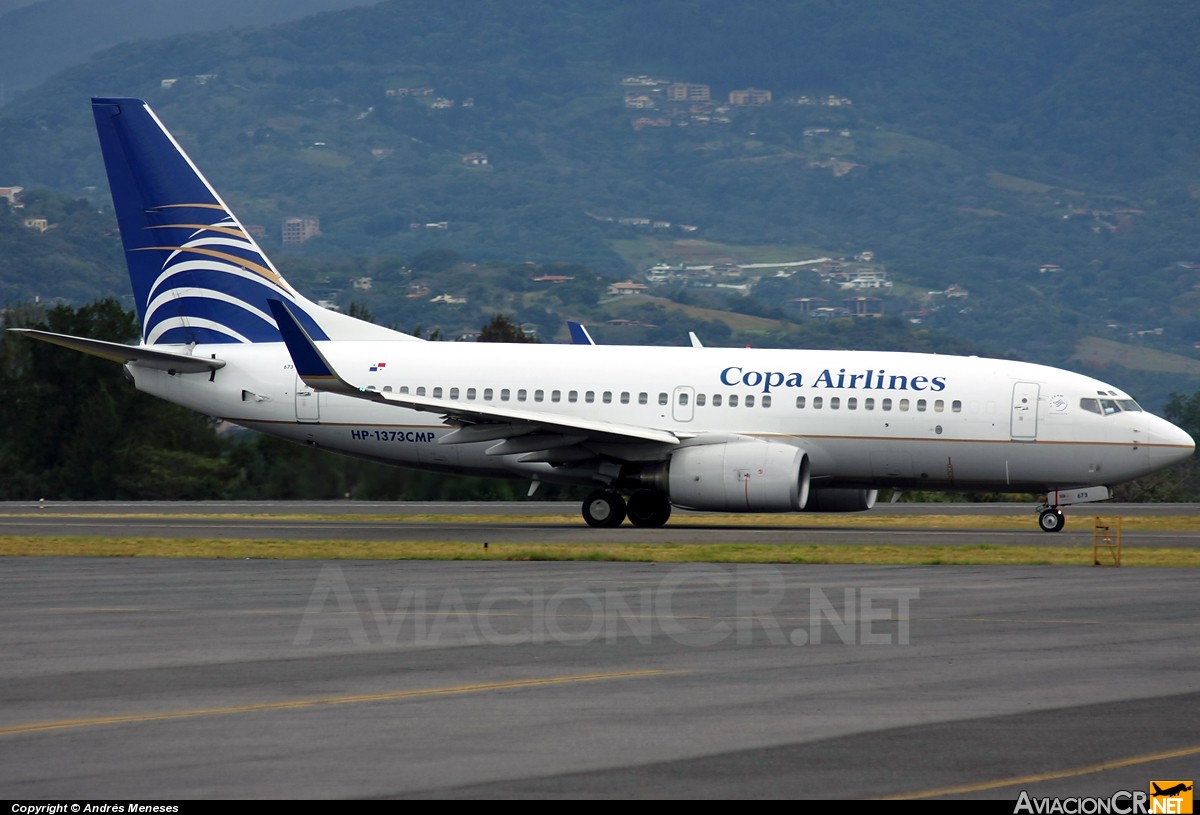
pixel 120 353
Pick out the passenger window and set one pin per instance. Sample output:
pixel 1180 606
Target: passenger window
pixel 733 400
pixel 404 388
pixel 487 394
pixel 573 396
pixel 716 400
pixel 437 392
pixel 387 388
pixel 766 401
pixel 956 406
pixel 539 395
pixel 699 400
pixel 835 402
pixel 817 401
pixel 454 393
pixel 749 401
pixel 421 391
pixel 555 396
pixel 470 393
pixel 589 397
pixel 904 404
pixel 663 399
pixel 887 404
pixel 683 397
pixel 521 393
pixel 939 406
pixel 869 403
pixel 504 394
pixel 800 402
pixel 624 397
pixel 852 403
pixel 643 398
pixel 608 397
pixel 920 406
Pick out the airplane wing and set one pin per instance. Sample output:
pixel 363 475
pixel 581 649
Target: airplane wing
pixel 521 431
pixel 120 353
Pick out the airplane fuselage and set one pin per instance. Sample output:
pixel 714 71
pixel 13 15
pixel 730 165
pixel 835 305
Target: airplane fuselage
pixel 866 419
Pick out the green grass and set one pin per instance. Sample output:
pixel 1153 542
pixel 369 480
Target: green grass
pixel 1056 551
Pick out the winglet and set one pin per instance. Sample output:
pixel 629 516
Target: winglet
pixel 311 364
pixel 579 334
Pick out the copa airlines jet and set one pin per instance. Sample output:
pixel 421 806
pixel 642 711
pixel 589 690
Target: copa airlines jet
pixel 722 429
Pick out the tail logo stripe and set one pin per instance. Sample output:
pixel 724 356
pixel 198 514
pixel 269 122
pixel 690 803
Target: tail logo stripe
pixel 270 274
pixel 191 324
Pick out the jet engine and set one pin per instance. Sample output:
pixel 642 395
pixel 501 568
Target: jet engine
pixel 840 500
pixel 749 476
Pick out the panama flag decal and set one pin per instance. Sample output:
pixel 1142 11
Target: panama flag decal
pixel 378 366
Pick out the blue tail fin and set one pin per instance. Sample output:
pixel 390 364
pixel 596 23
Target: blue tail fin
pixel 197 274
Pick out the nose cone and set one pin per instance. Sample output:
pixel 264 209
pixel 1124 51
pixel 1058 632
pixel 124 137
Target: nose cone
pixel 1168 444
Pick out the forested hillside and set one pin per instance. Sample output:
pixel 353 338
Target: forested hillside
pixel 1024 175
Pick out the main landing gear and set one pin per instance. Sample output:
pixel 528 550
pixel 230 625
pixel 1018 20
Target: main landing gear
pixel 607 509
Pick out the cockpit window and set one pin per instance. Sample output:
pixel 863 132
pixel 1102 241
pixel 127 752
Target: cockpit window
pixel 1107 407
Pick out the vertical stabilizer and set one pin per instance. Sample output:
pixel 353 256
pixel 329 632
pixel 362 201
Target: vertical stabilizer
pixel 197 274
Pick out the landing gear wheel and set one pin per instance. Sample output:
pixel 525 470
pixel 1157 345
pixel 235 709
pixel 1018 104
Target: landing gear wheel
pixel 604 509
pixel 649 508
pixel 1052 520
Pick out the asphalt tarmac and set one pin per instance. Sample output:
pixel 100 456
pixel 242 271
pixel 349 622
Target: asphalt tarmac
pixel 418 521
pixel 213 679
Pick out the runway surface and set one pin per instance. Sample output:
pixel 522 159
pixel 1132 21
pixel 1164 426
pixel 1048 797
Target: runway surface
pixel 179 679
pixel 427 521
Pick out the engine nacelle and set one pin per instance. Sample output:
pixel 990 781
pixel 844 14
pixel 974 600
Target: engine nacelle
pixel 840 500
pixel 749 476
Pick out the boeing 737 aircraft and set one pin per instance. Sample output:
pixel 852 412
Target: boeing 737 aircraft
pixel 721 429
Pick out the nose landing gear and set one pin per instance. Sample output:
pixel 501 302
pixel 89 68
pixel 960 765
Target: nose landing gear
pixel 1051 519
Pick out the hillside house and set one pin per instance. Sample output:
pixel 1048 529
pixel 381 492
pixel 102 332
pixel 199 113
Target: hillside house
pixel 628 287
pixel 749 97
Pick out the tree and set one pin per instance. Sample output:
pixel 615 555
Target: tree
pixel 76 429
pixel 502 329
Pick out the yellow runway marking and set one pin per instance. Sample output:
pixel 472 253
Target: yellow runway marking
pixel 320 701
pixel 1021 781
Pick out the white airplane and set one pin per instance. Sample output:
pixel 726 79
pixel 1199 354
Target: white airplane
pixel 720 429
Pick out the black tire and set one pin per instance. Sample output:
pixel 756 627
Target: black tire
pixel 649 509
pixel 604 509
pixel 1052 520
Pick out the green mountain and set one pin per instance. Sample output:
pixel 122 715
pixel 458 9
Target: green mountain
pixel 1037 156
pixel 42 37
